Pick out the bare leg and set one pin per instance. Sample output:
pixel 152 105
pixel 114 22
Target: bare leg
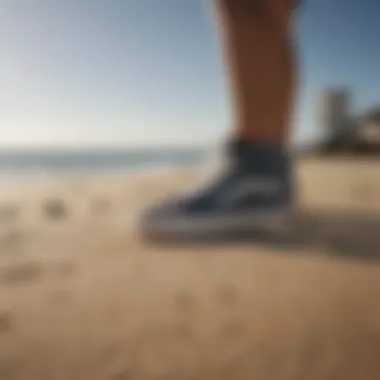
pixel 257 40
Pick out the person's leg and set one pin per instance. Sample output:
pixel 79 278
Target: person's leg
pixel 256 35
pixel 256 189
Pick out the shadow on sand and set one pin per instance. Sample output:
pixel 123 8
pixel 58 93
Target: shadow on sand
pixel 348 235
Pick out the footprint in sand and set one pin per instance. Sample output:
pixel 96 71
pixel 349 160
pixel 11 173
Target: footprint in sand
pixel 20 274
pixel 55 209
pixel 5 322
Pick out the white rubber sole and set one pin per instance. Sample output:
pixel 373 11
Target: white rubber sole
pixel 278 219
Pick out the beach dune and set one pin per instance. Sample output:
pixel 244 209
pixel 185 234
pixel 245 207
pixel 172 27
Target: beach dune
pixel 84 297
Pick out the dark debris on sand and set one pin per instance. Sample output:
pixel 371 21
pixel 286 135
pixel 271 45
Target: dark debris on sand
pixel 5 321
pixel 55 209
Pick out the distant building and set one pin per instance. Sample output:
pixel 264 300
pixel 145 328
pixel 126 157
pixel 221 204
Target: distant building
pixel 368 129
pixel 335 109
pixel 345 131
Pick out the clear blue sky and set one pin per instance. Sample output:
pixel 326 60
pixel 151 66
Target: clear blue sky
pixel 132 72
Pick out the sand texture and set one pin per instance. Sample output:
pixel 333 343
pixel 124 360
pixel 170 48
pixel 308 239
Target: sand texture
pixel 84 297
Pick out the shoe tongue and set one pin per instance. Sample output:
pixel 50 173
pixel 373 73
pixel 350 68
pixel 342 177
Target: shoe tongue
pixel 258 157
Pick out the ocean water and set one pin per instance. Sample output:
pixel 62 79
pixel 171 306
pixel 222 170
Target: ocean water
pixel 74 163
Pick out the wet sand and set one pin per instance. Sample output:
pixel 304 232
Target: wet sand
pixel 84 297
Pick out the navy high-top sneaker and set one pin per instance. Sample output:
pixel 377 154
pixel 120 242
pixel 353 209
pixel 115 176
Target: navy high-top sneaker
pixel 254 191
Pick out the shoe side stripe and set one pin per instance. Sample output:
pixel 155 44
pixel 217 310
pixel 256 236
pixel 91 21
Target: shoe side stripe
pixel 249 187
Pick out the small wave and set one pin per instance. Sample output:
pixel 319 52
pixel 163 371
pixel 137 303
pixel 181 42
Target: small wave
pixel 78 163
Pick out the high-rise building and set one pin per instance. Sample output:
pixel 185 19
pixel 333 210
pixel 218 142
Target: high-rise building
pixel 335 114
pixel 345 131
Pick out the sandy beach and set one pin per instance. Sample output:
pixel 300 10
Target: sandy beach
pixel 84 297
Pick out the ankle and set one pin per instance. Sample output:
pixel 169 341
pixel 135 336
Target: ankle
pixel 260 157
